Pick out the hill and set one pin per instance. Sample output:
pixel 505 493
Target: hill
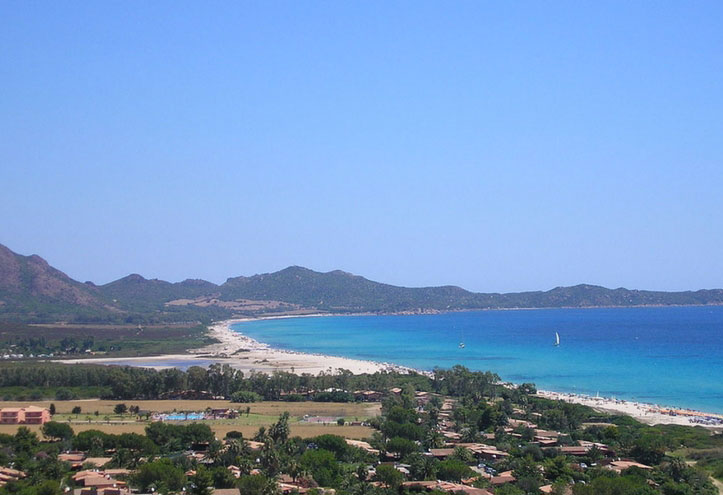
pixel 33 291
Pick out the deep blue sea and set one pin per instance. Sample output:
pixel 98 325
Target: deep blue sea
pixel 668 356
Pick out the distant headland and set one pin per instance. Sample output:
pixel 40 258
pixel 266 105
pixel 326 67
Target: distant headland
pixel 33 291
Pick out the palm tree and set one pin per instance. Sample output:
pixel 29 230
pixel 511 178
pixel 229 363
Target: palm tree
pixel 214 452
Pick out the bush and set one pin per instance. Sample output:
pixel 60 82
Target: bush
pixel 245 396
pixel 336 396
pixel 64 394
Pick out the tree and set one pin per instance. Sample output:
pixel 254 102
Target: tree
pixel 453 470
pixel 57 431
pixel 120 409
pixel 389 476
pixel 201 483
pixel 649 449
pixel 603 485
pixel 279 431
pixel 25 441
pixel 52 409
pixel 508 490
pixel 401 446
pixel 76 410
pixel 322 465
pixel 257 484
pixel 464 455
pixel 161 474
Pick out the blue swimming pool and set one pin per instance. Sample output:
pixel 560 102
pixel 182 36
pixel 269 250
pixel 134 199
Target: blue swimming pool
pixel 183 417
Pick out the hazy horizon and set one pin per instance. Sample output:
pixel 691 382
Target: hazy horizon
pixel 496 147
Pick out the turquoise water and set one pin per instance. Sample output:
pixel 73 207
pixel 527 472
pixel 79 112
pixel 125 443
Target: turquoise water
pixel 184 417
pixel 667 356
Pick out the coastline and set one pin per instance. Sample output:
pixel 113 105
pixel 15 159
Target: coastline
pixel 249 355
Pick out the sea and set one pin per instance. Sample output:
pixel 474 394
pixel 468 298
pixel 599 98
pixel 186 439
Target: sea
pixel 670 356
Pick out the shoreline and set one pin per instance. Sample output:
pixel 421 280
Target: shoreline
pixel 249 355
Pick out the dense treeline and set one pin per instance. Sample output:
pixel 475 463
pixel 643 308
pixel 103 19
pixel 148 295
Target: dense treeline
pixel 225 381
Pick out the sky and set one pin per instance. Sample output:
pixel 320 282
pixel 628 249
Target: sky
pixel 498 146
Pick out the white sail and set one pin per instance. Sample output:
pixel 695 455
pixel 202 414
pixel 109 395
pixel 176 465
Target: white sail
pixel 557 338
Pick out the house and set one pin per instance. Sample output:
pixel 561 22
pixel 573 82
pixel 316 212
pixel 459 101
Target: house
pixel 75 459
pixel 622 465
pixel 481 450
pixel 9 474
pixel 106 490
pixel 224 413
pixel 502 478
pixel 362 445
pixel 225 491
pixel 441 453
pixel 367 395
pixel 98 461
pixel 101 480
pixel 255 446
pixel 514 423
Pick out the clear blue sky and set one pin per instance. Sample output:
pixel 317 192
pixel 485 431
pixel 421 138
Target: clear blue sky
pixel 498 146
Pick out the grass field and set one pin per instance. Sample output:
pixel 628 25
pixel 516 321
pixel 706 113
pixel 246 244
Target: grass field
pixel 274 408
pixel 260 414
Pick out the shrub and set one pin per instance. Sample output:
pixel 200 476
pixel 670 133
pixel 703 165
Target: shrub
pixel 245 396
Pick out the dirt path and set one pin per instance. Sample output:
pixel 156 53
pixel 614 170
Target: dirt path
pixel 717 483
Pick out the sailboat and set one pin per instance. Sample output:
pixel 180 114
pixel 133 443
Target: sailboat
pixel 557 339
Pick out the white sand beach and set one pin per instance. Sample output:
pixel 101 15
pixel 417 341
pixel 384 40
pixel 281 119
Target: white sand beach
pixel 247 354
pixel 651 414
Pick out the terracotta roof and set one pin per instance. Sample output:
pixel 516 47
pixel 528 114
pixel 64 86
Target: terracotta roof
pixel 446 486
pixel 623 465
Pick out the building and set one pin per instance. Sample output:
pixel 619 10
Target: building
pixel 36 415
pixel 12 416
pixel 30 415
pixel 9 474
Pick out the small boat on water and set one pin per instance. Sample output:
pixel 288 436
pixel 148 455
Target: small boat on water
pixel 557 339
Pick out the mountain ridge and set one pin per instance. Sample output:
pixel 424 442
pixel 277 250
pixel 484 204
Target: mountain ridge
pixel 32 290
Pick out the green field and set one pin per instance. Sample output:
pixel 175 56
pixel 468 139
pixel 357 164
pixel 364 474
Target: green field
pixel 104 340
pixel 260 414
